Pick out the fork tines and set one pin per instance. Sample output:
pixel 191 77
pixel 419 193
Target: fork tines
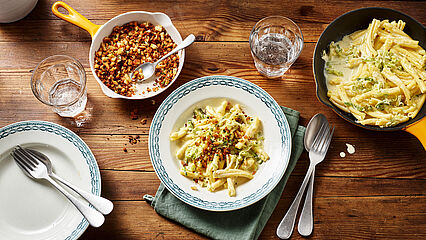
pixel 23 158
pixel 323 139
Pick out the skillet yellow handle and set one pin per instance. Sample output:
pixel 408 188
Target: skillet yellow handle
pixel 75 18
pixel 418 129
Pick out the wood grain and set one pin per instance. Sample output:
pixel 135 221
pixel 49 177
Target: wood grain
pixel 232 11
pixel 208 31
pixel 335 218
pixel 230 20
pixel 133 185
pixel 359 218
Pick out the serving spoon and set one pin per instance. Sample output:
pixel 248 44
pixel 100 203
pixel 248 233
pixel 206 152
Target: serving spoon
pixel 148 68
pixel 285 228
pixel 103 205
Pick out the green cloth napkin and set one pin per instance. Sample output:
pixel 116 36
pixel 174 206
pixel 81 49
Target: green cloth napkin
pixel 245 223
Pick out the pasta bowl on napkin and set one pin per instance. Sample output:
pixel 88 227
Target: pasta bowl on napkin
pixel 177 109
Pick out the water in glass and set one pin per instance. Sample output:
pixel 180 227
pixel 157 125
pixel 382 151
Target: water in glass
pixel 60 81
pixel 275 44
pixel 62 93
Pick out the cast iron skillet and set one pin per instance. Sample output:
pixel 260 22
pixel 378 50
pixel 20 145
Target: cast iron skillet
pixel 349 23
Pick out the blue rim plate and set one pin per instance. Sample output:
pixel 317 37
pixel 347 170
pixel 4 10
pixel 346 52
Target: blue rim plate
pixel 177 108
pixel 34 209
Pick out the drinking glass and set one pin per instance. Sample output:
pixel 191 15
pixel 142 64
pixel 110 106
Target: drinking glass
pixel 59 81
pixel 275 44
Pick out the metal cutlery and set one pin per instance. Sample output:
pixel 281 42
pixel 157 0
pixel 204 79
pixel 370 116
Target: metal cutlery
pixel 103 205
pixel 306 219
pixel 316 154
pixel 36 169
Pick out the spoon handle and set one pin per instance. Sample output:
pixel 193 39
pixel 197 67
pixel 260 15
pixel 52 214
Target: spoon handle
pixel 95 218
pixel 188 41
pixel 285 228
pixel 103 205
pixel 306 220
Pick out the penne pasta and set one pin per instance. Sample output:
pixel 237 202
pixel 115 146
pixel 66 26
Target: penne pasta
pixel 381 74
pixel 219 145
pixel 231 187
pixel 232 173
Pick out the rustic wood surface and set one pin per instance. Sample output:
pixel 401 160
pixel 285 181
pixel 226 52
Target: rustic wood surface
pixel 377 193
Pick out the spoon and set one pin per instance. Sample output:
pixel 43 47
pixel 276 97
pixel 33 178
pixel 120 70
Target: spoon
pixel 103 205
pixel 306 219
pixel 285 228
pixel 148 68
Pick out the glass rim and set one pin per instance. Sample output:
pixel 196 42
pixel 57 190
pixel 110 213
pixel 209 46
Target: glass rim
pixel 278 17
pixel 82 90
pixel 255 27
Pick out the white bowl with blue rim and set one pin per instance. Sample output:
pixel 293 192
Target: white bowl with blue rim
pixel 178 107
pixel 32 209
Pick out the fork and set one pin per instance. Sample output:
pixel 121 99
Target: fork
pixel 101 204
pixel 316 154
pixel 35 169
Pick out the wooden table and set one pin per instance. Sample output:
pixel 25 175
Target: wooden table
pixel 378 192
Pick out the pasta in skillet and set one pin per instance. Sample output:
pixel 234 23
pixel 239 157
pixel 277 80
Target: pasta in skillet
pixel 377 74
pixel 219 146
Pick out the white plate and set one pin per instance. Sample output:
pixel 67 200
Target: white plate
pixel 178 107
pixel 31 209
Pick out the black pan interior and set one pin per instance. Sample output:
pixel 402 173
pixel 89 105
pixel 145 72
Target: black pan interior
pixel 349 23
